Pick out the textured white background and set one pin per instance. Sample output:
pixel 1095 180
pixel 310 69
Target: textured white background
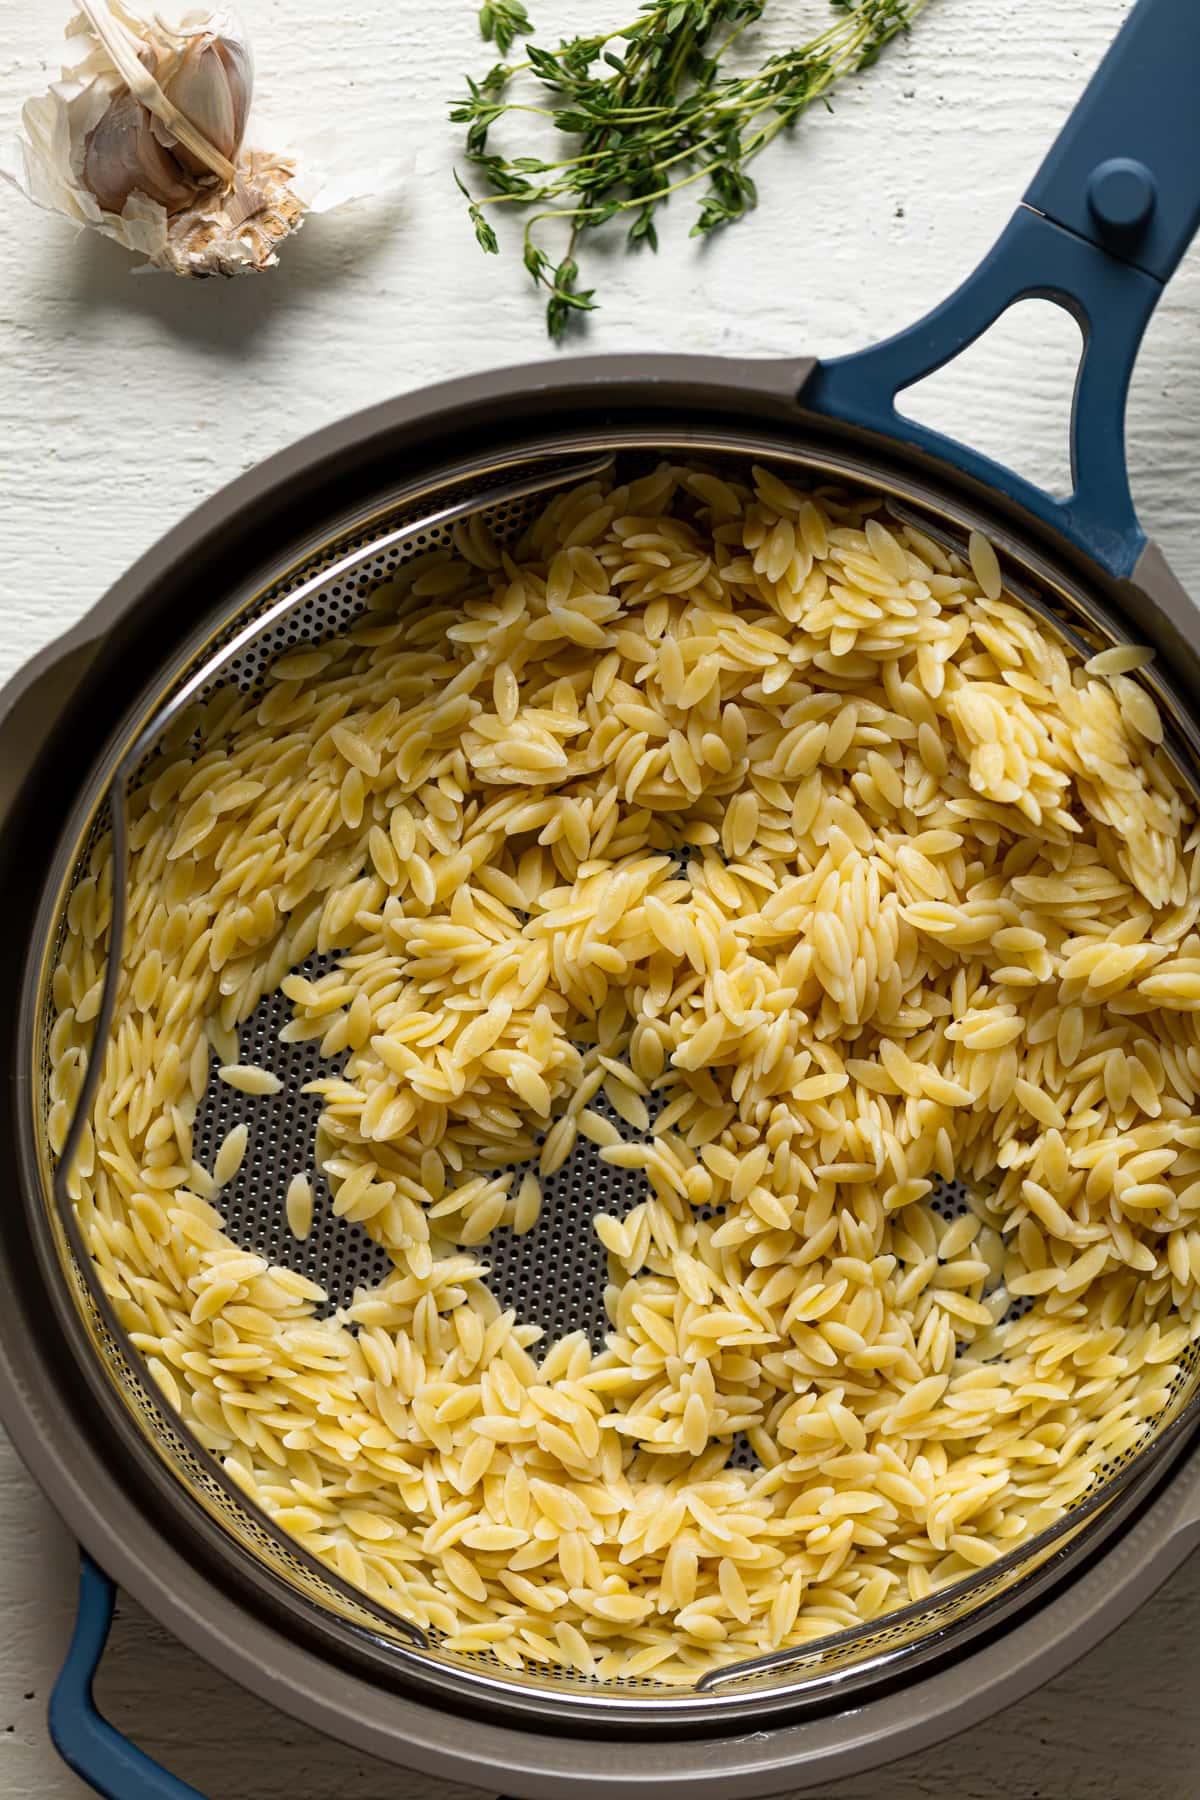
pixel 124 401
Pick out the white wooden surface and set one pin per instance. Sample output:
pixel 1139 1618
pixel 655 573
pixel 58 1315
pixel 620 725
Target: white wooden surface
pixel 123 401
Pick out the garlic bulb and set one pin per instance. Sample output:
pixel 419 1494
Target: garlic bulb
pixel 192 60
pixel 143 139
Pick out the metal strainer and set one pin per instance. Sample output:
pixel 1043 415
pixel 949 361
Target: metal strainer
pixel 555 1275
pixel 291 557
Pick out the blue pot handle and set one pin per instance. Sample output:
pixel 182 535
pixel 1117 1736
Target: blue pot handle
pixel 1101 229
pixel 97 1752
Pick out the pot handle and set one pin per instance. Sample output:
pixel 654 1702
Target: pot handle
pixel 1099 232
pixel 96 1750
pixel 100 1754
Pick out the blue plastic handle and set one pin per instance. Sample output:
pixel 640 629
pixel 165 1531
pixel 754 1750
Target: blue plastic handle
pixel 1101 229
pixel 96 1750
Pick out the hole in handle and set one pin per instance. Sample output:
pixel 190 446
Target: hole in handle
pixel 1008 395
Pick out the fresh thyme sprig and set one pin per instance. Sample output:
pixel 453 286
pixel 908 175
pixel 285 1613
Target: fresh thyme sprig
pixel 652 112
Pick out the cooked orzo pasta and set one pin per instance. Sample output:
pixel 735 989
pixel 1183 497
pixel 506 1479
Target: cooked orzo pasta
pixel 753 806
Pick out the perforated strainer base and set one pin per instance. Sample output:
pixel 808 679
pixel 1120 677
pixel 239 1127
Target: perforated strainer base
pixel 553 1275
